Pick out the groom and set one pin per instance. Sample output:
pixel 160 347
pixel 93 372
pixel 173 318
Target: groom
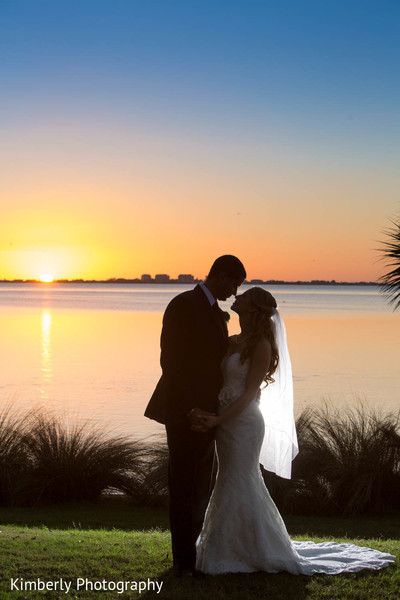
pixel 194 339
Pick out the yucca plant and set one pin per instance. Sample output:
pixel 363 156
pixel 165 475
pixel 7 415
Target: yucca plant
pixel 390 282
pixel 75 464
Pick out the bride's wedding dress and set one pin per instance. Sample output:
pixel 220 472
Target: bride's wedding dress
pixel 243 531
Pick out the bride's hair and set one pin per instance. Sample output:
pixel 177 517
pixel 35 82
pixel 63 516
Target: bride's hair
pixel 261 326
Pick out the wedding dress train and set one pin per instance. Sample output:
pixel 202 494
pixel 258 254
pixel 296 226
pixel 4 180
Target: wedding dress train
pixel 243 531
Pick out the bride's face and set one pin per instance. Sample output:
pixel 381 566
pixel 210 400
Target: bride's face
pixel 242 304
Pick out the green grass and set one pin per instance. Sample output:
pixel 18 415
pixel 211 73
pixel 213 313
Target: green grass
pixel 117 542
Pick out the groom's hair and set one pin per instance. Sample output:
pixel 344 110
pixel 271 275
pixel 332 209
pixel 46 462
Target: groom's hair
pixel 228 264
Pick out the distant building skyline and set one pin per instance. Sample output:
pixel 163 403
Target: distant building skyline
pixel 189 279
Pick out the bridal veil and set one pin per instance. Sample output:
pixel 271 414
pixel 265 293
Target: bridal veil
pixel 280 446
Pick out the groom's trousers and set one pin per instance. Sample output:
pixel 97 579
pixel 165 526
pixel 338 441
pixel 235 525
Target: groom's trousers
pixel 190 478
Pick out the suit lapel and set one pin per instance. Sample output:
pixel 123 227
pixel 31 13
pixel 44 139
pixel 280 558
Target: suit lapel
pixel 211 316
pixel 220 318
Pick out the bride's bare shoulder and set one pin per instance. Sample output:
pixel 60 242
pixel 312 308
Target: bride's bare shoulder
pixel 264 344
pixel 263 348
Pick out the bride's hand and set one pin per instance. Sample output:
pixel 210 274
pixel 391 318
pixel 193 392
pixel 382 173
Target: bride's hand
pixel 208 421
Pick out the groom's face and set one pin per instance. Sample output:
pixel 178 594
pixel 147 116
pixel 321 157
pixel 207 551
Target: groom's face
pixel 227 286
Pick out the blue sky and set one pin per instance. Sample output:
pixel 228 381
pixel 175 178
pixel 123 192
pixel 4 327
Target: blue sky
pixel 205 89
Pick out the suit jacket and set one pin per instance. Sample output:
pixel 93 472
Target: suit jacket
pixel 194 340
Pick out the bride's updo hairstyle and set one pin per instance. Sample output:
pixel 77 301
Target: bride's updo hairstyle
pixel 263 306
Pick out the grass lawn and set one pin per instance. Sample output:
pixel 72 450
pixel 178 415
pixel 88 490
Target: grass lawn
pixel 115 542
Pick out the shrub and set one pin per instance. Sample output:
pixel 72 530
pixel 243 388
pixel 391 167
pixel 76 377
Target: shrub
pixel 348 463
pixel 301 493
pixel 75 465
pixel 13 458
pixel 153 490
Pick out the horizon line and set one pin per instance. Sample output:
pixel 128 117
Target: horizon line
pixel 255 281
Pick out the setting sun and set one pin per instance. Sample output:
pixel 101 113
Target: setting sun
pixel 45 278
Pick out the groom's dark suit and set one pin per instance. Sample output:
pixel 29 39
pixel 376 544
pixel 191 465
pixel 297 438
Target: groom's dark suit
pixel 194 340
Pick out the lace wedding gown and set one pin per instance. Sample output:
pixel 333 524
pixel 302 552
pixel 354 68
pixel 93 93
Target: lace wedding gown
pixel 243 531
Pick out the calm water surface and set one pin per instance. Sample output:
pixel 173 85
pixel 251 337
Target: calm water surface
pixel 92 350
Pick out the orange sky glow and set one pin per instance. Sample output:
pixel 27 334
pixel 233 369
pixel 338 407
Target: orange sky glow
pixel 297 231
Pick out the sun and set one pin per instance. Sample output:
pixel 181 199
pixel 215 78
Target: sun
pixel 46 278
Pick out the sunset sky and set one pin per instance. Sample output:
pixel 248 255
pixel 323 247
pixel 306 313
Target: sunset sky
pixel 151 136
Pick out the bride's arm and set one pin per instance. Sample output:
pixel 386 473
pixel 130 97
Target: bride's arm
pixel 259 365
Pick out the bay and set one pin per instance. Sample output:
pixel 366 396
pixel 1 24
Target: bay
pixel 91 351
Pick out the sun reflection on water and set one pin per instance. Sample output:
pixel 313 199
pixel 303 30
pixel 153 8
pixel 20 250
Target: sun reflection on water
pixel 47 363
pixel 103 364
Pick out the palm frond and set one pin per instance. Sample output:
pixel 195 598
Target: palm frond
pixel 390 281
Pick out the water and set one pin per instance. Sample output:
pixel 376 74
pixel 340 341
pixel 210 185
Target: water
pixel 91 351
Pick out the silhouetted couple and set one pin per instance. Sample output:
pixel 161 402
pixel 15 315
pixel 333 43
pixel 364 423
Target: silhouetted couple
pixel 210 389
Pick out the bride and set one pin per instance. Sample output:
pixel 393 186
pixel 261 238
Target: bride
pixel 243 531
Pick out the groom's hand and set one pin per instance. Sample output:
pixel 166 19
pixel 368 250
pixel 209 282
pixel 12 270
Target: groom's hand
pixel 195 418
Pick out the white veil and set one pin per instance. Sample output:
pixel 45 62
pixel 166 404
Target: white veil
pixel 280 446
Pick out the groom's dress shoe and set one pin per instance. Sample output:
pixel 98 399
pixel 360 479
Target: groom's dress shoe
pixel 189 573
pixel 198 574
pixel 183 572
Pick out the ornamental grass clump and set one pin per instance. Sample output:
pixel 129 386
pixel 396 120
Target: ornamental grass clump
pixel 77 464
pixel 154 488
pixel 349 462
pixel 12 452
pixel 303 492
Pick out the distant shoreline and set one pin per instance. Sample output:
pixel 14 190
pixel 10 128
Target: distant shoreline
pixel 195 281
